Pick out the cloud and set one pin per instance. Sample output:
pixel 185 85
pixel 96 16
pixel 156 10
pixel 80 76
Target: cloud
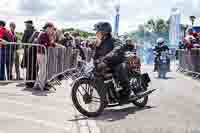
pixel 84 13
pixel 77 10
pixel 189 8
pixel 34 7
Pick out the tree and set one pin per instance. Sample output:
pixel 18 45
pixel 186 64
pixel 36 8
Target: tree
pixel 157 26
pixel 148 32
pixel 161 26
pixel 150 25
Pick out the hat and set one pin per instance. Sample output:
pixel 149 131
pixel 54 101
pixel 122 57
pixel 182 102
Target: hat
pixel 48 24
pixel 28 22
pixel 12 24
pixel 3 23
pixel 66 34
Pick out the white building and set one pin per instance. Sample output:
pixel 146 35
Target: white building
pixel 175 27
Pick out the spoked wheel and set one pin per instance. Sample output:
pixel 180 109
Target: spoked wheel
pixel 136 82
pixel 87 98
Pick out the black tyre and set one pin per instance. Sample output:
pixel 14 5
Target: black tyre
pixel 87 97
pixel 137 84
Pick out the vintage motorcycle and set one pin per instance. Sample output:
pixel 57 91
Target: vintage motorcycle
pixel 102 90
pixel 163 64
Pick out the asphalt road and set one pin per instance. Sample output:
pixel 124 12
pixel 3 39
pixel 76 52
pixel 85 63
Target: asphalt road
pixel 173 108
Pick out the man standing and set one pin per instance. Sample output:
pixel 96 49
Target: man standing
pixel 28 31
pixel 6 36
pixel 16 54
pixel 46 39
pixel 30 54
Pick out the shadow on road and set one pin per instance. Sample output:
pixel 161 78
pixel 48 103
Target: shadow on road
pixel 112 115
pixel 4 84
pixel 38 92
pixel 20 85
pixel 119 114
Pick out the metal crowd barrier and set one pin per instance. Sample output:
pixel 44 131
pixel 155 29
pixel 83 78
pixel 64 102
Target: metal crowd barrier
pixel 25 62
pixel 88 53
pixel 189 62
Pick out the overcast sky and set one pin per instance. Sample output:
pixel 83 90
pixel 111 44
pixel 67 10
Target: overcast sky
pixel 85 13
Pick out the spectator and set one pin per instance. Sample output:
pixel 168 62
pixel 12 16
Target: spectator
pixel 29 60
pixel 28 31
pixel 188 40
pixel 181 45
pixel 16 54
pixel 47 39
pixel 67 40
pixel 58 35
pixel 5 35
pixel 197 43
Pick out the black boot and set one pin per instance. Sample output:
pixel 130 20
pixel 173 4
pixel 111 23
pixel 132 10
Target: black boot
pixel 125 93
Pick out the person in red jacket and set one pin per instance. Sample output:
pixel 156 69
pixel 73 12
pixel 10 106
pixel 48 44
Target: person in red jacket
pixel 6 36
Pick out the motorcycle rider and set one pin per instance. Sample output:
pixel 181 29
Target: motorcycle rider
pixel 134 61
pixel 110 53
pixel 158 50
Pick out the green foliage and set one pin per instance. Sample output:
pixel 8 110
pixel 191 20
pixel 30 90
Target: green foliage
pixel 158 25
pixel 151 30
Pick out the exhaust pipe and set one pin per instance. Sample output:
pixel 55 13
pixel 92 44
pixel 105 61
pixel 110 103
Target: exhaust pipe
pixel 138 97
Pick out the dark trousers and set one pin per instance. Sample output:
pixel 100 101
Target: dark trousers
pixel 2 64
pixel 9 65
pixel 121 73
pixel 30 63
pixel 156 63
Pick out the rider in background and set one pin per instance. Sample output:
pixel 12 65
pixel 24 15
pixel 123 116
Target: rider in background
pixel 158 49
pixel 134 62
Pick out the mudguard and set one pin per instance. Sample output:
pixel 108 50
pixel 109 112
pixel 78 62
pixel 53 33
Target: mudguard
pixel 80 78
pixel 145 78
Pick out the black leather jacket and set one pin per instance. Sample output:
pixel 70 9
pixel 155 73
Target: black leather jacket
pixel 159 49
pixel 105 47
pixel 117 55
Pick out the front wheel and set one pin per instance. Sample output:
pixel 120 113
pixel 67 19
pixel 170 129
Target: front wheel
pixel 90 95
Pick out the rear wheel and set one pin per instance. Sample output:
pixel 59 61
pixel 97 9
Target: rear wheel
pixel 90 95
pixel 137 83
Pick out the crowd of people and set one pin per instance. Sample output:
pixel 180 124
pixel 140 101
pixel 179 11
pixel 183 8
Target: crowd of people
pixel 49 37
pixel 191 40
